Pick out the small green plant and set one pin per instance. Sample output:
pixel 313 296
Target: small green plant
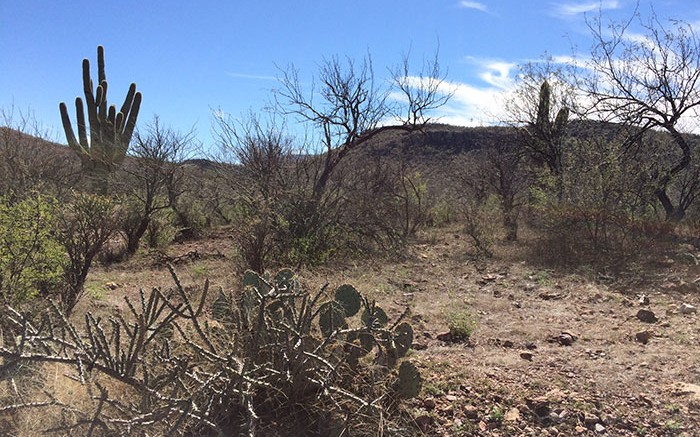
pixel 462 325
pixel 673 426
pixel 30 257
pixel 496 415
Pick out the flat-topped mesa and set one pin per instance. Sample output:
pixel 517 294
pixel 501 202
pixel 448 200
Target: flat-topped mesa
pixel 110 131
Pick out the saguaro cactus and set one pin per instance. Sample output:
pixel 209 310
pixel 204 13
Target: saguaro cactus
pixel 110 131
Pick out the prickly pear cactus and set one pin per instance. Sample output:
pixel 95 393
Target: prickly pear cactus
pixel 331 316
pixel 409 382
pixel 374 317
pixel 403 339
pixel 349 298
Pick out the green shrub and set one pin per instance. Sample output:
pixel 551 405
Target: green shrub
pixel 161 229
pixel 462 325
pixel 30 257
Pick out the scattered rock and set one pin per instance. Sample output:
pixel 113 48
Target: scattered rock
pixel 590 419
pixel 643 336
pixel 538 405
pixel 429 404
pixel 111 286
pixel 513 415
pixel 526 355
pixel 647 316
pixel 687 308
pixel 549 295
pixel 599 428
pixel 424 422
pixel 643 300
pixel 419 346
pixel 451 398
pixel 685 389
pixel 530 346
pixel 471 412
pixel 566 338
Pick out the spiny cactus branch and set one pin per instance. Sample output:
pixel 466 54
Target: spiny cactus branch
pixel 110 131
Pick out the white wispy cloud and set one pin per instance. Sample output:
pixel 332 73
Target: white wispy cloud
pixel 576 8
pixel 473 5
pixel 480 103
pixel 251 76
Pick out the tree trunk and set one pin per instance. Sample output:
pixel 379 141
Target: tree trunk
pixel 673 213
pixel 132 244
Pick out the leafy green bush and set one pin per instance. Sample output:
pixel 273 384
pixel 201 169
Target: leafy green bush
pixel 30 257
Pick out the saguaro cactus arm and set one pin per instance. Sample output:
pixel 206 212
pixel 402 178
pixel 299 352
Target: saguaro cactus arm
pixel 110 131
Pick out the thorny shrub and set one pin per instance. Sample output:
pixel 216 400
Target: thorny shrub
pixel 272 360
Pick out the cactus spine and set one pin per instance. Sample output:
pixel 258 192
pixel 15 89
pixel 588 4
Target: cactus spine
pixel 110 131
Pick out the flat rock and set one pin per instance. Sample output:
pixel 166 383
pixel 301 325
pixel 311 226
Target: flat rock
pixel 647 316
pixel 471 412
pixel 644 336
pixel 526 355
pixel 687 308
pixel 513 415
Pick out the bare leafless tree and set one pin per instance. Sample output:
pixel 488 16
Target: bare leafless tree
pixel 152 177
pixel 347 106
pixel 650 82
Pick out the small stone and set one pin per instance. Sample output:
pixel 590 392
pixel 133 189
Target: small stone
pixel 643 300
pixel 580 429
pixel 566 339
pixel 451 398
pixel 590 419
pixel 554 417
pixel 424 422
pixel 599 428
pixel 471 412
pixel 419 346
pixel 644 336
pixel 687 308
pixel 539 405
pixel 513 415
pixel 429 404
pixel 111 285
pixel 526 355
pixel 445 336
pixel 647 316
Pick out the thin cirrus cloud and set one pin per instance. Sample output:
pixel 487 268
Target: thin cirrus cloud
pixel 473 5
pixel 570 9
pixel 251 76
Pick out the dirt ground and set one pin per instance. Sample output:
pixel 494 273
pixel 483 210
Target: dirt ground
pixel 550 351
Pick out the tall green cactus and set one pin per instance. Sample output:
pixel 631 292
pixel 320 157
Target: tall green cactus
pixel 110 131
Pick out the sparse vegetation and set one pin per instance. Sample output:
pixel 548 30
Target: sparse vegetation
pixel 534 233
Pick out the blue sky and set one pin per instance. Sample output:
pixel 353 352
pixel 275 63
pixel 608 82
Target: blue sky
pixel 190 58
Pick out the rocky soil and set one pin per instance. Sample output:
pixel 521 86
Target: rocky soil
pixel 533 350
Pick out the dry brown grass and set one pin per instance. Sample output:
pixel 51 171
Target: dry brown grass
pixel 518 304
